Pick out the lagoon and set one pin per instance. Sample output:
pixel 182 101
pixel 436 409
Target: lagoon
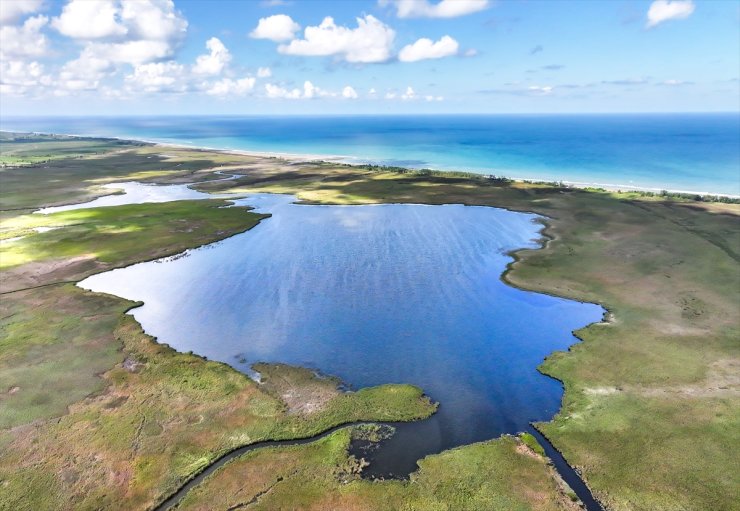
pixel 372 294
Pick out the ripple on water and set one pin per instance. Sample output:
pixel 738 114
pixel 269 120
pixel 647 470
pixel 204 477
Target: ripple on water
pixel 372 294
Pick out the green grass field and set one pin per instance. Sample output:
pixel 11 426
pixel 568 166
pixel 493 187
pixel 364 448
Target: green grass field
pixel 500 474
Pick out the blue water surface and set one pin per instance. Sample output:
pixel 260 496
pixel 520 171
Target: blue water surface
pixel 372 294
pixel 682 152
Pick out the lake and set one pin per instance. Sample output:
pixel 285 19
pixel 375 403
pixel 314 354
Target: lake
pixel 372 294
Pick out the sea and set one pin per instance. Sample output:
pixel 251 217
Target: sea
pixel 694 153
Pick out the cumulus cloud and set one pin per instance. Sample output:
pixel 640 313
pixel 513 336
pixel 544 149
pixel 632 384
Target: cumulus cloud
pixel 215 61
pixel 409 94
pixel 84 72
pixel 442 9
pixel 25 40
pixel 83 19
pixel 229 87
pixel 153 19
pixel 276 92
pixel 11 11
pixel 664 10
pixel 278 28
pixel 130 31
pixel 158 77
pixel 370 41
pixel 309 91
pixel 425 48
pixel 17 77
pixel 264 72
pixel 134 52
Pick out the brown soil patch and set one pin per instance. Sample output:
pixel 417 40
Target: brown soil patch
pixel 39 273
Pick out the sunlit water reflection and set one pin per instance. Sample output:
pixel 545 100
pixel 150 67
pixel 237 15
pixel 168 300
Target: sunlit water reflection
pixel 372 294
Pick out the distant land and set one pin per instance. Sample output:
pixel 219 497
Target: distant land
pixel 690 153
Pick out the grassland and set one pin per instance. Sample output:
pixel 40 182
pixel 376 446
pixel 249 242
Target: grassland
pixel 157 418
pixel 652 404
pixel 501 474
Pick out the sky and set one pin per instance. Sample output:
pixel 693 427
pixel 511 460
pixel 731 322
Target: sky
pixel 152 57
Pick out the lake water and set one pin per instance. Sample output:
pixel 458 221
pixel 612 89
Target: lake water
pixel 680 152
pixel 134 193
pixel 372 294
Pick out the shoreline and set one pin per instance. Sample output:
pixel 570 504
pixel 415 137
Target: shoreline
pixel 573 477
pixel 294 158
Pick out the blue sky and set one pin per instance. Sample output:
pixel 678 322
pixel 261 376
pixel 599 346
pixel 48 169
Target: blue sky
pixel 110 57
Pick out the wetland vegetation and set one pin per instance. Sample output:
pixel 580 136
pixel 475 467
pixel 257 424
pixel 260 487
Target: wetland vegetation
pixel 651 411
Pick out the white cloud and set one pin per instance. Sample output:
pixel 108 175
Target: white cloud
pixel 25 40
pixel 309 91
pixel 443 9
pixel 153 19
pixel 675 83
pixel 84 72
pixel 134 52
pixel 12 10
pixel 158 77
pixel 264 72
pixel 411 95
pixel 372 91
pixel 229 87
pixel 130 31
pixel 215 61
pixel 371 41
pixel 279 27
pixel 425 48
pixel 85 19
pixel 276 92
pixel 542 90
pixel 664 10
pixel 18 77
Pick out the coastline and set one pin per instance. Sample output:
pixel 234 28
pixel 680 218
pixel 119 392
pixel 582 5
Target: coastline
pixel 295 158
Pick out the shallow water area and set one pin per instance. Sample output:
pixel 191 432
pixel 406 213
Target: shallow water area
pixel 133 192
pixel 373 294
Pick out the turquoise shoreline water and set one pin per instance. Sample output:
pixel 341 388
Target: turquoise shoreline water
pixel 698 153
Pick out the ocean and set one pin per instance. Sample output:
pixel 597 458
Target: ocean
pixel 697 153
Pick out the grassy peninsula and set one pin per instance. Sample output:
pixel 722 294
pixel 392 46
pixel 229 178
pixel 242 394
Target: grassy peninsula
pixel 94 413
